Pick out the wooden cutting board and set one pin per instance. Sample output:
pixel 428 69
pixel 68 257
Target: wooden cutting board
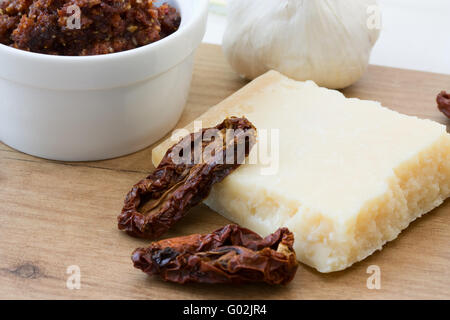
pixel 57 214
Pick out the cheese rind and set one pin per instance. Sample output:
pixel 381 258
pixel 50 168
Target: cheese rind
pixel 351 175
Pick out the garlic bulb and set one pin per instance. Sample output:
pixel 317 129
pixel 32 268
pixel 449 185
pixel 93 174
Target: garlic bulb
pixel 327 41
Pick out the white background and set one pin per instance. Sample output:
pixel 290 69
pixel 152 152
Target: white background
pixel 415 34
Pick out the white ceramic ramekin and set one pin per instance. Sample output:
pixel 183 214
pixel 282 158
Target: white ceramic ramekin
pixel 98 107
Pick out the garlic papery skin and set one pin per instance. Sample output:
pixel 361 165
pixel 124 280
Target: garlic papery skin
pixel 327 41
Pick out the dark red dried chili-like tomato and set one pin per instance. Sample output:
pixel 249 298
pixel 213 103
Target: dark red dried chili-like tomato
pixel 160 200
pixel 443 101
pixel 228 255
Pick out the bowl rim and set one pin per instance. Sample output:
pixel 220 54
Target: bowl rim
pixel 185 27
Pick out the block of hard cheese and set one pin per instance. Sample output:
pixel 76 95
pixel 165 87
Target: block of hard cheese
pixel 352 174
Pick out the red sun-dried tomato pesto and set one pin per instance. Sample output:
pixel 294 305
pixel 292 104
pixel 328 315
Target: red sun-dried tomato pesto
pixel 105 26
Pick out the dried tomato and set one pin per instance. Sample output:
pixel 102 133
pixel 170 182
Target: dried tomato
pixel 231 254
pixel 443 100
pixel 157 202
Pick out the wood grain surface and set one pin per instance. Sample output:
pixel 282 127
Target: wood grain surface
pixel 57 214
